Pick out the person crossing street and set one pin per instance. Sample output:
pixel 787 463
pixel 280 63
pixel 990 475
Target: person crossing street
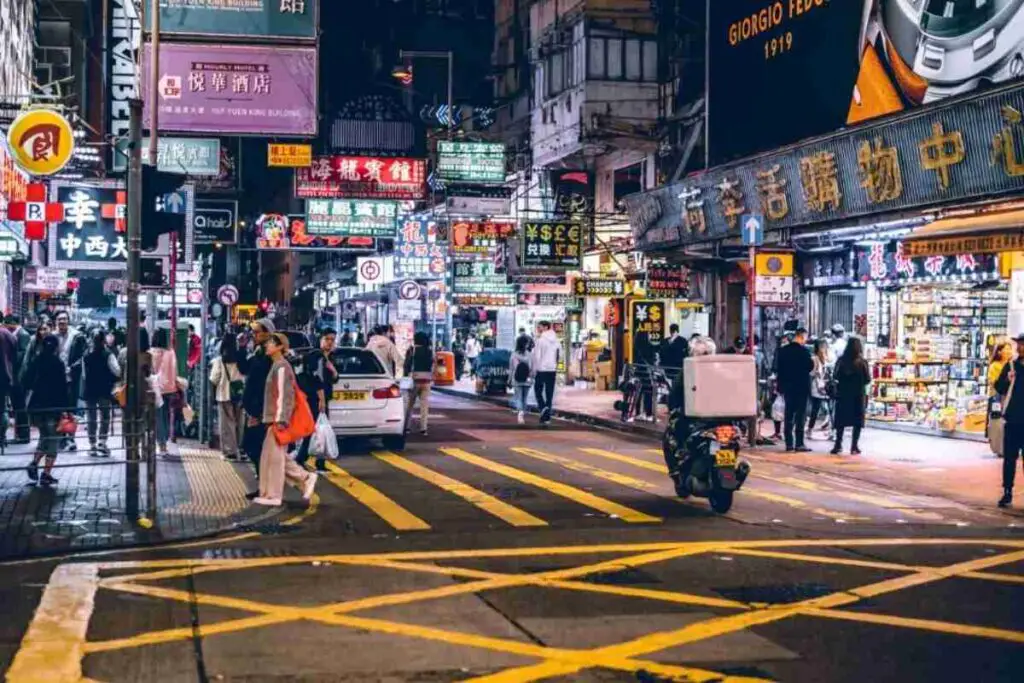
pixel 1013 416
pixel 544 364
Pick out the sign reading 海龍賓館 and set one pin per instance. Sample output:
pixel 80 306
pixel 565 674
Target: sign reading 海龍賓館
pixel 360 177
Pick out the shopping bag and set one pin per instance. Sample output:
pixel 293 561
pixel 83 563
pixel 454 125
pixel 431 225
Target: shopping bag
pixel 324 444
pixel 67 425
pixel 996 429
pixel 154 386
pixel 301 425
pixel 187 414
pixel 779 409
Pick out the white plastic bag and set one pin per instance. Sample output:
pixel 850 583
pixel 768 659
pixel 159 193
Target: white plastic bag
pixel 154 386
pixel 323 443
pixel 779 409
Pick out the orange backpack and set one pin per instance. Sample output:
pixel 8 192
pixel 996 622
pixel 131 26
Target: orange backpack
pixel 301 424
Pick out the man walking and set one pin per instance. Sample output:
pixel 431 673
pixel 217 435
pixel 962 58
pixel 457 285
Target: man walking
pixel 72 352
pixel 546 352
pixel 23 338
pixel 317 380
pixel 673 352
pixel 1013 418
pixel 256 368
pixel 794 371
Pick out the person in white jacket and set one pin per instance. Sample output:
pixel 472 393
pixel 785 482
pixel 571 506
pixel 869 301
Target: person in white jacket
pixel 385 350
pixel 546 352
pixel 223 374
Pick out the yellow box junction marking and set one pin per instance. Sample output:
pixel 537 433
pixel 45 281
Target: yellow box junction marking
pixel 385 508
pixel 559 489
pixel 487 503
pixel 55 641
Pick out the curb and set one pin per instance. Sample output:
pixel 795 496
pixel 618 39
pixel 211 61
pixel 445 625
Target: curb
pixel 568 415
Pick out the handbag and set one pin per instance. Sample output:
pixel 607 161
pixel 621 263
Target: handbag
pixel 997 424
pixel 302 423
pixel 120 394
pixel 67 425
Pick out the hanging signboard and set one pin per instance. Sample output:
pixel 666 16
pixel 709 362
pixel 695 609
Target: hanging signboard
pixel 552 245
pixel 290 19
pixel 665 282
pixel 92 235
pixel 889 262
pixel 471 162
pixel 289 156
pixel 234 89
pixel 44 280
pixel 599 286
pixel 560 300
pixel 351 218
pixel 989 243
pixel 828 270
pixel 648 318
pixel 184 156
pixel 418 254
pixel 369 270
pixel 479 201
pixel 362 178
pixel 773 279
pixel 479 237
pixel 41 141
pixel 215 220
pixel 477 283
pixel 289 233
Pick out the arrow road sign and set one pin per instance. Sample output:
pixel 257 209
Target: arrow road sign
pixel 227 295
pixel 174 203
pixel 752 225
pixel 409 290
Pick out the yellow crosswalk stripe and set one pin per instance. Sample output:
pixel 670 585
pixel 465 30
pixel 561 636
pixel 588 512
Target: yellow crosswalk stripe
pixel 559 489
pixel 611 455
pixel 385 508
pixel 583 468
pixel 856 496
pixel 485 502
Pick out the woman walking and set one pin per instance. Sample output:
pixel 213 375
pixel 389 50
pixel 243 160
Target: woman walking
pixel 165 367
pixel 520 374
pixel 278 405
pixel 48 382
pixel 101 373
pixel 419 365
pixel 228 384
pixel 852 377
pixel 819 385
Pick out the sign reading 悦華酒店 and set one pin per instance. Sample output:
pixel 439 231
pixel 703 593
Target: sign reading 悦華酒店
pixel 552 245
pixel 362 178
pixel 418 253
pixel 291 19
pixel 234 89
pixel 351 218
pixel 471 162
pixel 93 234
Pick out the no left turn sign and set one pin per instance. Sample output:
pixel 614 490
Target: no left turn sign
pixel 227 295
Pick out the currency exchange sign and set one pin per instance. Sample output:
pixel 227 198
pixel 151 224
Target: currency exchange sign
pixel 552 245
pixel 294 19
pixel 234 89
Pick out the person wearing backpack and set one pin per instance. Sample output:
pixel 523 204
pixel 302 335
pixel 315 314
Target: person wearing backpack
pixel 101 374
pixel 281 401
pixel 228 387
pixel 520 373
pixel 419 366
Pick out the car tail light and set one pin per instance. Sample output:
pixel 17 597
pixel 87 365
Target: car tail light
pixel 725 433
pixel 387 392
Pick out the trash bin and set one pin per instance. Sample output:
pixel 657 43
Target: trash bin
pixel 444 368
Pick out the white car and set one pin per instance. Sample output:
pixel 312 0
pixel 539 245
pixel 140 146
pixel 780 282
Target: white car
pixel 367 401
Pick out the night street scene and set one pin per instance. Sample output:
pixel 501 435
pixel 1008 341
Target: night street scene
pixel 511 340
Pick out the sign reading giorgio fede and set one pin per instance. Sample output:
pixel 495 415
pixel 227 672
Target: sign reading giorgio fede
pixel 246 18
pixel 952 151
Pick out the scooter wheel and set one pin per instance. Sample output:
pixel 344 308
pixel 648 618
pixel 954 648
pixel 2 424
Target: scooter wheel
pixel 720 501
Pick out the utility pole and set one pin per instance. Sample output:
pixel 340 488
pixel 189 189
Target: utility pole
pixel 134 394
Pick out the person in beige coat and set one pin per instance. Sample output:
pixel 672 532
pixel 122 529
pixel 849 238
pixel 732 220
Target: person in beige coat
pixel 278 405
pixel 223 373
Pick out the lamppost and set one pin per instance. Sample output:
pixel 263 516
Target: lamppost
pixel 405 75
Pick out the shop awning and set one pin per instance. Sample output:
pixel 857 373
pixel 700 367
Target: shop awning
pixel 985 233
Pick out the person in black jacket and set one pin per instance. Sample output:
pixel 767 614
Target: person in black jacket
pixel 852 378
pixel 673 352
pixel 419 366
pixel 24 339
pixel 48 382
pixel 101 374
pixel 794 371
pixel 256 368
pixel 1013 418
pixel 317 381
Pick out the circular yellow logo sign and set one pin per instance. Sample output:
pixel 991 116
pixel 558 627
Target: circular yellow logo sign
pixel 41 141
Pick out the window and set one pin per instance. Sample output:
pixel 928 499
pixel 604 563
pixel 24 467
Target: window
pixel 596 68
pixel 351 362
pixel 614 59
pixel 633 72
pixel 557 81
pixel 650 61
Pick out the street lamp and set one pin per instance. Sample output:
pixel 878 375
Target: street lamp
pixel 405 72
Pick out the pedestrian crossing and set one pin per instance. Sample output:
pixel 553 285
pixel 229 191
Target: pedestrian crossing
pixel 624 486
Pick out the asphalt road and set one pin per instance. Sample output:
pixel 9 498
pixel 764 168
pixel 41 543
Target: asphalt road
pixel 494 552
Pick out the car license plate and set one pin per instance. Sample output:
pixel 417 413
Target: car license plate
pixel 350 395
pixel 725 458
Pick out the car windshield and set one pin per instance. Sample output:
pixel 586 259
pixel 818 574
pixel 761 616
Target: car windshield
pixel 356 362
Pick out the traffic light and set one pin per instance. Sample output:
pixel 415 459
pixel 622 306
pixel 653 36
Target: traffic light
pixel 157 217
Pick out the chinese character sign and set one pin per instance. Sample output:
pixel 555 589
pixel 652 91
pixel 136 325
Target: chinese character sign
pixel 552 245
pixel 648 319
pixel 471 162
pixel 891 262
pixel 293 19
pixel 479 237
pixel 668 283
pixel 362 178
pixel 234 89
pixel 351 218
pixel 480 278
pixel 89 237
pixel 418 254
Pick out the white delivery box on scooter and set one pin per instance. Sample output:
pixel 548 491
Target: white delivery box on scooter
pixel 720 386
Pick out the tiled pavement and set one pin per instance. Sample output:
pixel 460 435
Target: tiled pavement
pixel 198 493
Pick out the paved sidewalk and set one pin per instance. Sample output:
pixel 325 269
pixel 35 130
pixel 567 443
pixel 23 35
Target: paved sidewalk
pixel 198 493
pixel 962 470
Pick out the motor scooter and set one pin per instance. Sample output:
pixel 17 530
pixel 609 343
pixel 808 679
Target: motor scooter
pixel 703 459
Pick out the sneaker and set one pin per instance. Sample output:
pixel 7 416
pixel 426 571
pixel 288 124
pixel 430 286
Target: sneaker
pixel 46 479
pixel 836 451
pixel 72 446
pixel 854 451
pixel 33 472
pixel 1004 502
pixel 521 419
pixel 269 502
pixel 253 496
pixel 104 450
pixel 308 487
pixel 802 449
pixel 423 432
